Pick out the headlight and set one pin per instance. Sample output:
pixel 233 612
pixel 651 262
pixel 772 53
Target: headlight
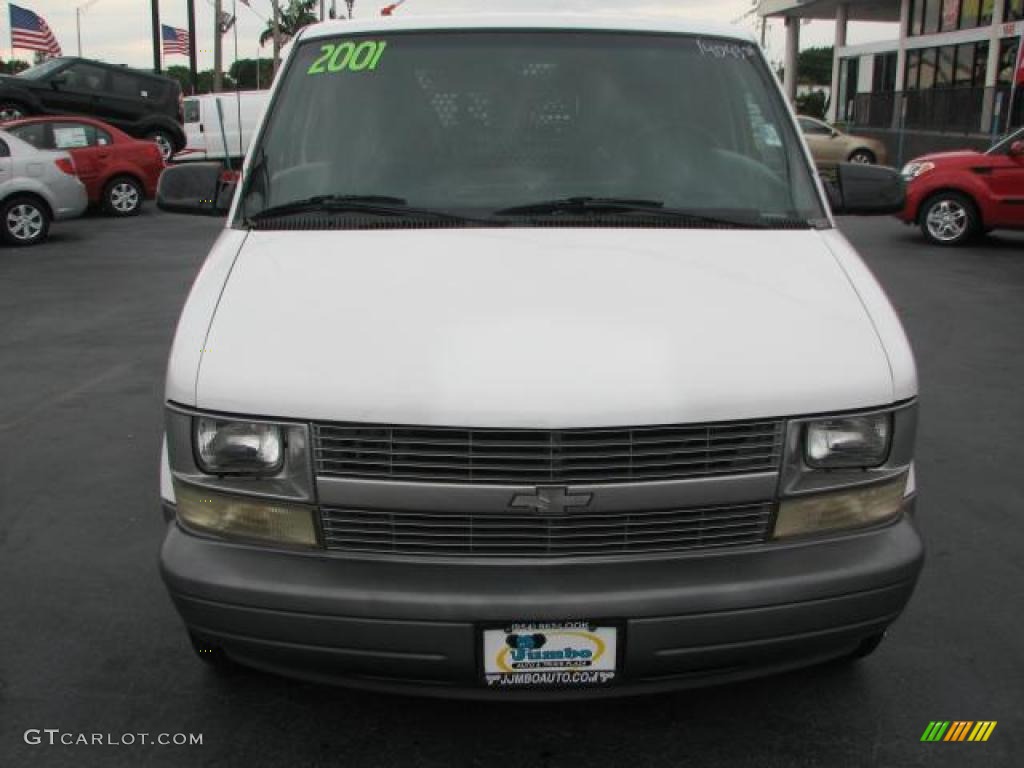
pixel 853 508
pixel 848 442
pixel 913 170
pixel 245 518
pixel 225 447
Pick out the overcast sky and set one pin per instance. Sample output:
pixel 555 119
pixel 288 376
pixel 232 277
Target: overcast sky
pixel 120 30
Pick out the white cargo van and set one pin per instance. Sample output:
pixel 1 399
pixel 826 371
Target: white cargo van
pixel 221 126
pixel 531 363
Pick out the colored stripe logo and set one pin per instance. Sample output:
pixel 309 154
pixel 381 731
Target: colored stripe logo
pixel 958 730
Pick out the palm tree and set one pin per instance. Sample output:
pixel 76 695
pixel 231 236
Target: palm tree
pixel 293 17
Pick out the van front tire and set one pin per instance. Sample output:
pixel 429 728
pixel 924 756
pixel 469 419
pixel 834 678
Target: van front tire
pixel 212 655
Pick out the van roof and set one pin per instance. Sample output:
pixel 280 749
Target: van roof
pixel 538 21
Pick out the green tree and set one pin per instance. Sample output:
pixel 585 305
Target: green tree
pixel 296 15
pixel 181 74
pixel 243 72
pixel 813 104
pixel 13 67
pixel 814 66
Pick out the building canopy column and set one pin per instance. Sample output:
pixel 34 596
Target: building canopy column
pixel 792 55
pixel 842 19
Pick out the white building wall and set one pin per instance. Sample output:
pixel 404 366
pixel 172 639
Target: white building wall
pixel 866 74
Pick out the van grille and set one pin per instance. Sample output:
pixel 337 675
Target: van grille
pixel 534 457
pixel 523 534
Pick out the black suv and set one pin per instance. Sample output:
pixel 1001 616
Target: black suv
pixel 141 104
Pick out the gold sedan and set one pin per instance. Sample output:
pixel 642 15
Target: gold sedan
pixel 829 145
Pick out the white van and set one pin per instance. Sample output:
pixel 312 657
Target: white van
pixel 221 126
pixel 531 363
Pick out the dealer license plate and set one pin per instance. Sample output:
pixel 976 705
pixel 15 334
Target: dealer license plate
pixel 572 654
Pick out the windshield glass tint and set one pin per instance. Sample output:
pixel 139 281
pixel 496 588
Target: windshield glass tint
pixel 42 70
pixel 482 121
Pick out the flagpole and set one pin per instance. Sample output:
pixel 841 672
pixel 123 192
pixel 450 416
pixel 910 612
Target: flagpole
pixel 1016 82
pixel 157 36
pixel 193 71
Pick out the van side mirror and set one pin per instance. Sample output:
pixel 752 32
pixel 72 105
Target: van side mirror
pixel 200 189
pixel 866 190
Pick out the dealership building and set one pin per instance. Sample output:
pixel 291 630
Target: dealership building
pixel 946 79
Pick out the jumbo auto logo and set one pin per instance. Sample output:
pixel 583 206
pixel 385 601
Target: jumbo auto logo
pixel 560 649
pixel 958 730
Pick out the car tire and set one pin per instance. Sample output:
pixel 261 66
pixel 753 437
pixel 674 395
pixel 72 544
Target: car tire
pixel 212 655
pixel 949 219
pixel 863 157
pixel 164 141
pixel 12 110
pixel 25 220
pixel 123 196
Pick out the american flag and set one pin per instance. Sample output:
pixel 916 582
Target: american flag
pixel 30 32
pixel 175 40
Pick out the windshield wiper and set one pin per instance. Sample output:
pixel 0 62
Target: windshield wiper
pixel 582 206
pixel 374 205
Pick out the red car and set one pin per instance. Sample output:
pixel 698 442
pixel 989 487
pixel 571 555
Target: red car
pixel 953 196
pixel 119 172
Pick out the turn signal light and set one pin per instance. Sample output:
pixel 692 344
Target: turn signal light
pixel 66 166
pixel 854 508
pixel 239 517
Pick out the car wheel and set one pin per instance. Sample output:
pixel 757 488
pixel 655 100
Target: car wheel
pixel 164 142
pixel 26 221
pixel 863 157
pixel 10 110
pixel 123 197
pixel 949 218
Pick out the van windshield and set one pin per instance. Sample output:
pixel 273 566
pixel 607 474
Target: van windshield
pixel 524 125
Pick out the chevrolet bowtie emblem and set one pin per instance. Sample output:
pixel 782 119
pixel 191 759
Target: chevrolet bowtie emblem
pixel 553 501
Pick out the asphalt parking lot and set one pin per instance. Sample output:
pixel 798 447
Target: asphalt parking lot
pixel 89 642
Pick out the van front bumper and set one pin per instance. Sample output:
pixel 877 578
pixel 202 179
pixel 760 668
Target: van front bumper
pixel 415 626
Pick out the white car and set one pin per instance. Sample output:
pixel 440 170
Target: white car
pixel 531 363
pixel 221 126
pixel 36 188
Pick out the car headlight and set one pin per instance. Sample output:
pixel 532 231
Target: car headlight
pixel 853 508
pixel 848 442
pixel 913 170
pixel 224 447
pixel 242 478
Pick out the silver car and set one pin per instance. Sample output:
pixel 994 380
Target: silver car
pixel 36 187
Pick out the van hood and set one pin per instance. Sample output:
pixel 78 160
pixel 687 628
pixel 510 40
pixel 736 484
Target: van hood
pixel 544 328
